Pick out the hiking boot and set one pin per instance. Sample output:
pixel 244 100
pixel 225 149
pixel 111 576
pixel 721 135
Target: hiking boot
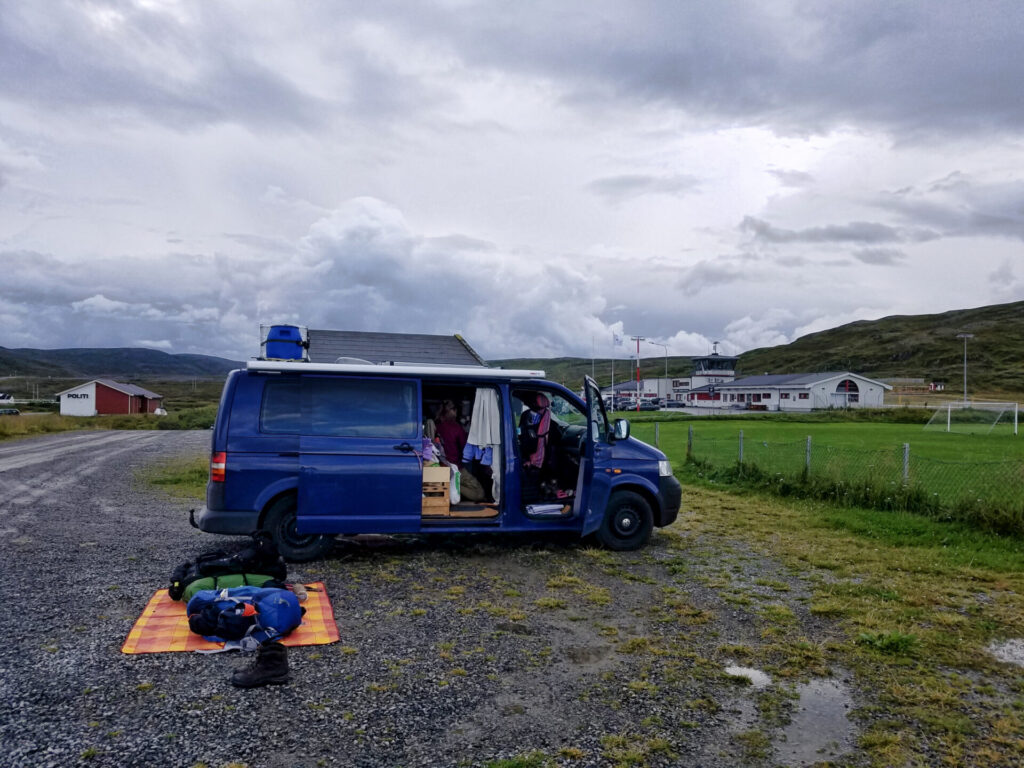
pixel 270 667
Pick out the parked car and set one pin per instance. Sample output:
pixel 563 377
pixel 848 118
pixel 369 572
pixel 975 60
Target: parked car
pixel 649 405
pixel 9 412
pixel 306 451
pixel 674 404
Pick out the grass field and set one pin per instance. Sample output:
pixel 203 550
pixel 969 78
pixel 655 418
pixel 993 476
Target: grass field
pixel 43 423
pixel 918 603
pixel 978 479
pixel 870 436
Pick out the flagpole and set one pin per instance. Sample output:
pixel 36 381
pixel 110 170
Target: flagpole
pixel 613 371
pixel 638 340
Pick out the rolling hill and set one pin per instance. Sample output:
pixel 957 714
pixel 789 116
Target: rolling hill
pixel 127 362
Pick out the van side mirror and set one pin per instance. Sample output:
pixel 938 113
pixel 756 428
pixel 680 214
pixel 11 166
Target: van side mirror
pixel 621 429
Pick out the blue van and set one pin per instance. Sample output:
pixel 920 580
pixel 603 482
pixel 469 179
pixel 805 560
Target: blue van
pixel 307 451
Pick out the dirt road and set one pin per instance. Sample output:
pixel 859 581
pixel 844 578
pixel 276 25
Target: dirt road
pixel 455 651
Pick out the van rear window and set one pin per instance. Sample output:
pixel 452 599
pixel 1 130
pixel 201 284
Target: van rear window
pixel 341 408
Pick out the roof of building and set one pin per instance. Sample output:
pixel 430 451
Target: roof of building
pixel 128 389
pixel 328 346
pixel 787 380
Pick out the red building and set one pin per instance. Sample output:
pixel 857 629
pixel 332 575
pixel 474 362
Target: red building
pixel 103 396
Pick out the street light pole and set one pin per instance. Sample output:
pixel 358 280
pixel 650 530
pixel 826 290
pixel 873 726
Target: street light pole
pixel 638 339
pixel 665 347
pixel 965 337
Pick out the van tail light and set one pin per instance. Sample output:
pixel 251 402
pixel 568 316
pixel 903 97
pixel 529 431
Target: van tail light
pixel 218 462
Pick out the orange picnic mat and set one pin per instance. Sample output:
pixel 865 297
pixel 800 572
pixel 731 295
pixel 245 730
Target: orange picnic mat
pixel 163 625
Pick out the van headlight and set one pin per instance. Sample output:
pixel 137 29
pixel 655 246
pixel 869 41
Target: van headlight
pixel 664 468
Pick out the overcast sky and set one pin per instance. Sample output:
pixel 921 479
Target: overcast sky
pixel 535 175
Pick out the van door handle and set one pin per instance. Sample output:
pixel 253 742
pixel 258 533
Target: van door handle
pixel 403 447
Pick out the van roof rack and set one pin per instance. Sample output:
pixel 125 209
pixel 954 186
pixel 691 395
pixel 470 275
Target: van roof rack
pixel 412 369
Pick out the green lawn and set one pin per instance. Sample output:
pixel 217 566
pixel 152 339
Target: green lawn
pixel 854 435
pixel 978 479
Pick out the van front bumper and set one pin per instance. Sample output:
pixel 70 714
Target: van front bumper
pixel 229 521
pixel 670 497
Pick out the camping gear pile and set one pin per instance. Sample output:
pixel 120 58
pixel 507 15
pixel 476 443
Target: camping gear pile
pixel 243 600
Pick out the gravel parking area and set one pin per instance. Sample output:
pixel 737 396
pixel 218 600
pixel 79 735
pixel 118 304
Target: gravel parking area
pixel 454 651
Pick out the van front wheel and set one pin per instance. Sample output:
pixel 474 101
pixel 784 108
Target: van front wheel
pixel 281 522
pixel 628 522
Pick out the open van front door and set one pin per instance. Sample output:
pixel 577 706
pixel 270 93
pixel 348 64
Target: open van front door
pixel 360 469
pixel 596 468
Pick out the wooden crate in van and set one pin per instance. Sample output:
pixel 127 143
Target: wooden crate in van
pixel 436 491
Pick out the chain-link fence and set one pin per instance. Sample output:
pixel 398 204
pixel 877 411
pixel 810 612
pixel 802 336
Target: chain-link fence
pixel 986 493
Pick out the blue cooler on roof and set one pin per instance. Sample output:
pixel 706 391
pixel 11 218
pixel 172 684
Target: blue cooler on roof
pixel 285 342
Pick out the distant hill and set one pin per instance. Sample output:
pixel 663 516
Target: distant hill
pixel 922 346
pixel 126 362
pixel 912 346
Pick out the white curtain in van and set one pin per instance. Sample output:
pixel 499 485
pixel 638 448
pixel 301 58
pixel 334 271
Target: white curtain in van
pixel 485 431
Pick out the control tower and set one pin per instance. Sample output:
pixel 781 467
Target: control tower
pixel 713 369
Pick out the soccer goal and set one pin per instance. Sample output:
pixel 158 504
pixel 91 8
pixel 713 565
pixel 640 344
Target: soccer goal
pixel 975 418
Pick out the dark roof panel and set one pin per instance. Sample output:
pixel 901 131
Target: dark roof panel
pixel 328 346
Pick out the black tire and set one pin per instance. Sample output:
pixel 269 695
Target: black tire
pixel 280 524
pixel 628 522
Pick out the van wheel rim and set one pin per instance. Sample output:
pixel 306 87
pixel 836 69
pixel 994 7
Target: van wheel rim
pixel 625 523
pixel 292 536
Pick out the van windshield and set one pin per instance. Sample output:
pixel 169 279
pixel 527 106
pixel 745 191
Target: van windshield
pixel 565 413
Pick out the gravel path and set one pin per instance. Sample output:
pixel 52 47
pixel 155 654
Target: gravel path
pixel 454 651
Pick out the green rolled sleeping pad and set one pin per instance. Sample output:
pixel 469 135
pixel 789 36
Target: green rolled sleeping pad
pixel 225 582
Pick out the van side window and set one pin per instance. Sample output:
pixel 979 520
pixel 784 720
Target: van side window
pixel 341 408
pixel 281 412
pixel 363 408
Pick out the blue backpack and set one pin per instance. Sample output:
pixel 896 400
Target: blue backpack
pixel 253 615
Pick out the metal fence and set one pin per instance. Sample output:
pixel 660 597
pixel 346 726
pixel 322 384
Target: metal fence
pixel 890 478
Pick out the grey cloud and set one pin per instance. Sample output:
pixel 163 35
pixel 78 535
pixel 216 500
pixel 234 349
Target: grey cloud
pixel 912 67
pixel 880 256
pixel 712 273
pixel 957 208
pixel 617 188
pixel 792 178
pixel 259 242
pixel 360 267
pixel 954 180
pixel 1002 275
pixel 52 58
pixel 854 232
pixel 461 243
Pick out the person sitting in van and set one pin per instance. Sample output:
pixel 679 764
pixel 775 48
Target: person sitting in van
pixel 534 428
pixel 453 435
pixel 534 431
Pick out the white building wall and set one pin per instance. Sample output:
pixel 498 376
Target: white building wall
pixel 793 402
pixel 80 401
pixel 818 396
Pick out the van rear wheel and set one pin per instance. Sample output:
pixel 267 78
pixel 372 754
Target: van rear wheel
pixel 281 524
pixel 628 522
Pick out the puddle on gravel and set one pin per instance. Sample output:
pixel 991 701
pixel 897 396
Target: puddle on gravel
pixel 757 678
pixel 1010 651
pixel 820 729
